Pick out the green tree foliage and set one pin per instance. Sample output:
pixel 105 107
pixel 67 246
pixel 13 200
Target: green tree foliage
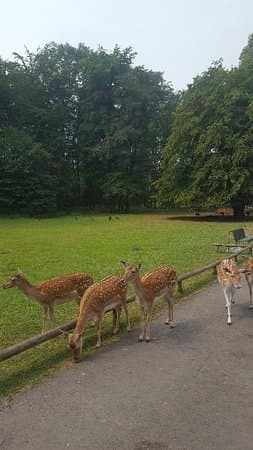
pixel 25 182
pixel 208 159
pixel 98 123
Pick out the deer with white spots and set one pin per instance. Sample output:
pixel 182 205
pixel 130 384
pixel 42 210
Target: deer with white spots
pixel 248 272
pixel 229 277
pixel 51 292
pixel 109 293
pixel 159 282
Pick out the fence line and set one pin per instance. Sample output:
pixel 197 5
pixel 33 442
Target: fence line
pixel 54 332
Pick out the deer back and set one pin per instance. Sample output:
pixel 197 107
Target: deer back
pixel 105 292
pixel 60 286
pixel 159 280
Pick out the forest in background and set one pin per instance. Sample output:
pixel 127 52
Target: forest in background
pixel 83 128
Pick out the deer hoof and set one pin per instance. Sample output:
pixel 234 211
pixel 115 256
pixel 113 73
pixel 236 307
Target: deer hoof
pixel 140 339
pixel 97 345
pixel 172 324
pixel 250 306
pixel 229 323
pixel 166 322
pixel 129 329
pixel 147 339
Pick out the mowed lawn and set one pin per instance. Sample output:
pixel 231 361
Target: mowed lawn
pixel 51 247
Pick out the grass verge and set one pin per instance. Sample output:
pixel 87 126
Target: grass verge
pixel 51 247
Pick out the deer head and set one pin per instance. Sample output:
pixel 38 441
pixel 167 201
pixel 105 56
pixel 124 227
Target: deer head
pixel 75 343
pixel 14 281
pixel 130 270
pixel 233 274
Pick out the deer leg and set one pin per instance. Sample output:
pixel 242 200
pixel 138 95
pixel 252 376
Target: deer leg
pixel 141 337
pixel 51 314
pixel 228 306
pixel 99 326
pixel 115 321
pixel 45 308
pixel 167 321
pixel 248 279
pixel 124 304
pixel 148 320
pixel 170 314
pixel 172 323
pixel 250 296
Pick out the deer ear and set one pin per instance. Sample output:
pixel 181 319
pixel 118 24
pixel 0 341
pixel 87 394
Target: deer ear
pixel 124 263
pixel 139 266
pixel 18 272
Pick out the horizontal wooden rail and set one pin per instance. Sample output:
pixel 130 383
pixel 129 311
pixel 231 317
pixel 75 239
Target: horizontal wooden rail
pixel 43 337
pixel 54 332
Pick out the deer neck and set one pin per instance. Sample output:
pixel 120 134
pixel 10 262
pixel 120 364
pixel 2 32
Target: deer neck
pixel 82 320
pixel 28 289
pixel 138 287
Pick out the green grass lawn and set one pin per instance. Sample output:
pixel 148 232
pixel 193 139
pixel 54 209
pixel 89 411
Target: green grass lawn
pixel 93 244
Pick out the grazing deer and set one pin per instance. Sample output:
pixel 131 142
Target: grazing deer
pixel 161 281
pixel 248 271
pixel 229 277
pixel 100 297
pixel 51 292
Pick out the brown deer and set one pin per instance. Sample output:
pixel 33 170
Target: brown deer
pixel 248 271
pixel 159 282
pixel 229 277
pixel 109 293
pixel 51 292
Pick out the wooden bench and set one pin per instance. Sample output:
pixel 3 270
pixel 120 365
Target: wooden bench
pixel 240 236
pixel 225 211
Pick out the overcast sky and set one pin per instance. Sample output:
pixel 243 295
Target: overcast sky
pixel 178 37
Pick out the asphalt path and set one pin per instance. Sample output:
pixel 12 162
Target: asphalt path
pixel 190 388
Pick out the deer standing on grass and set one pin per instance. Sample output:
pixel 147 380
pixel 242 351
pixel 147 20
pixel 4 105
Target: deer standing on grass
pixel 229 277
pixel 248 271
pixel 109 293
pixel 51 292
pixel 159 282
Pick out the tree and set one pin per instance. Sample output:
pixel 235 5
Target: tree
pixel 26 184
pixel 98 123
pixel 208 157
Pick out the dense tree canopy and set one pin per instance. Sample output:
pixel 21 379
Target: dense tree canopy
pixel 208 159
pixel 80 128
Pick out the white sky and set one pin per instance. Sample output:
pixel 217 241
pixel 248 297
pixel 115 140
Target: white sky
pixel 178 37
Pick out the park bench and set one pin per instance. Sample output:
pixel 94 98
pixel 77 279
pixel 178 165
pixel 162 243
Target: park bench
pixel 241 240
pixel 240 236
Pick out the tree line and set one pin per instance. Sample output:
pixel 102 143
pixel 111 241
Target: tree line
pixel 208 158
pixel 87 128
pixel 80 127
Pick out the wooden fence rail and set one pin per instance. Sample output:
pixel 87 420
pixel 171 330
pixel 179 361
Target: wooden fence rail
pixel 54 332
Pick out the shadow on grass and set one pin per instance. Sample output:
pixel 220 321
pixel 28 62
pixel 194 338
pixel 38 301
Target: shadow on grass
pixel 210 218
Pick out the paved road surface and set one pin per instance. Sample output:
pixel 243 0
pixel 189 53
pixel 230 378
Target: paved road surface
pixel 191 388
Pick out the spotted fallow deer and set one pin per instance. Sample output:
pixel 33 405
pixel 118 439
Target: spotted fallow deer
pixel 229 277
pixel 248 271
pixel 51 292
pixel 109 293
pixel 160 282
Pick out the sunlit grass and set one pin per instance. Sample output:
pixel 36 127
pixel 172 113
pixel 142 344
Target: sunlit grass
pixel 51 247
